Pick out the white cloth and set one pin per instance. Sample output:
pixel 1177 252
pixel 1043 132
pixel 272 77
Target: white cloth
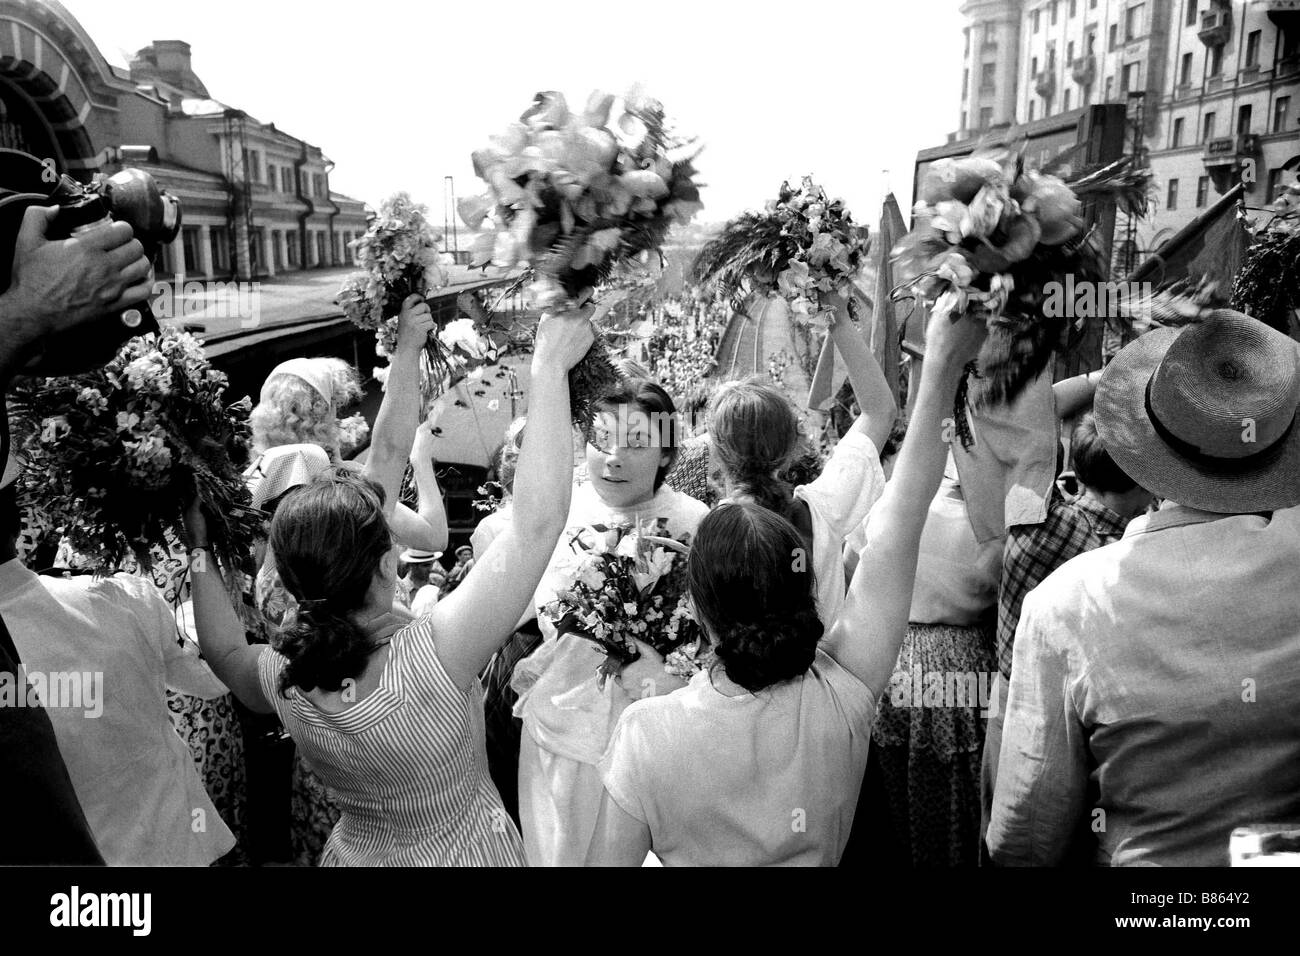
pixel 565 713
pixel 838 501
pixel 424 600
pixel 761 779
pixel 133 774
pixel 489 528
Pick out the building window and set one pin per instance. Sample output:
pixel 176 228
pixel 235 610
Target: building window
pixel 1252 48
pixel 347 236
pixel 1069 52
pixel 1178 134
pixel 219 240
pixel 1191 13
pixel 961 124
pixel 1065 101
pixel 321 258
pixel 1091 45
pixel 1032 104
pixel 1207 129
pixel 271 179
pixel 1185 71
pixel 1034 18
pixel 965 83
pixel 1202 191
pixel 1243 119
pixel 1133 21
pixel 990 33
pixel 988 75
pixel 1171 200
pixel 1130 78
pixel 190 243
pixel 1052 7
pixel 1281 107
pixel 986 117
pixel 1092 4
pixel 286 179
pixel 1216 60
pixel 966 34
pixel 1275 185
pixel 1110 87
pixel 1074 7
pixel 1033 66
pixel 1112 37
pixel 253 159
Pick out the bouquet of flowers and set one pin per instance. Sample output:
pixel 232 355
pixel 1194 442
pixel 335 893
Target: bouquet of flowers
pixel 803 247
pixel 399 257
pixel 114 456
pixel 1267 287
pixel 990 236
pixel 575 197
pixel 628 585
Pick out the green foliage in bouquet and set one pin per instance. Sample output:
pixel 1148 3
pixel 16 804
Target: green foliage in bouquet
pixel 113 457
pixel 804 247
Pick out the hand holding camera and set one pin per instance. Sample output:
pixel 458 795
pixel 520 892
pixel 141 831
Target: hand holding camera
pixel 56 285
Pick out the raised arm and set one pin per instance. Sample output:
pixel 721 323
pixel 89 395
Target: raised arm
pixel 1074 395
pixel 870 386
pixel 866 636
pixel 399 413
pixel 475 619
pixel 221 635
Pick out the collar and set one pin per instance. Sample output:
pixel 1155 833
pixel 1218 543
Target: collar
pixel 1104 521
pixel 1171 515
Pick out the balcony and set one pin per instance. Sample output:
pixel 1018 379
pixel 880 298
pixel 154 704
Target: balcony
pixel 1084 70
pixel 1216 26
pixel 1249 74
pixel 1288 65
pixel 1045 83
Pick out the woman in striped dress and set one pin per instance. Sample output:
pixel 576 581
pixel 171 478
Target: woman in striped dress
pixel 386 709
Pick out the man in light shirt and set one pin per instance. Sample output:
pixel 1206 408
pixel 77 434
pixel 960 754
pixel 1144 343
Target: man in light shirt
pixel 1153 695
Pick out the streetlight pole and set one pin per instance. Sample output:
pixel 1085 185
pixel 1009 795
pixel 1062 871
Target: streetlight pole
pixel 449 212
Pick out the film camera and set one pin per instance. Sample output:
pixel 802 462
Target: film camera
pixel 131 196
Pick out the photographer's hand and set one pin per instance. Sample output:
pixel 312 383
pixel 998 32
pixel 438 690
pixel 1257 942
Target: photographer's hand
pixel 59 284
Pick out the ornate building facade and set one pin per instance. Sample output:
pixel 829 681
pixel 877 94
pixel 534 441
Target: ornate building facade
pixel 256 200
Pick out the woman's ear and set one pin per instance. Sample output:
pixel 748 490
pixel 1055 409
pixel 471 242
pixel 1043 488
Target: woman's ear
pixel 388 564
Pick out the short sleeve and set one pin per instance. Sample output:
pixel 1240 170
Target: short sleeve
pixel 620 768
pixel 270 665
pixel 848 486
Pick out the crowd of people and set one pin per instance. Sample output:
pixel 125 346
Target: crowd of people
pixel 894 664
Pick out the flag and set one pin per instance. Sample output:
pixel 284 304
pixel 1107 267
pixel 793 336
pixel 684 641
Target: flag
pixel 1212 246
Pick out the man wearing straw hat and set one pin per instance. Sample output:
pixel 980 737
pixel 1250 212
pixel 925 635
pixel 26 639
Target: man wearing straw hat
pixel 1153 700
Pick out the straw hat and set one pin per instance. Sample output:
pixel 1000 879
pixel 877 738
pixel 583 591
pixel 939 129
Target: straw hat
pixel 1206 415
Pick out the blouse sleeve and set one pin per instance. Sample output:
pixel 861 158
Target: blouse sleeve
pixel 848 486
pixel 619 768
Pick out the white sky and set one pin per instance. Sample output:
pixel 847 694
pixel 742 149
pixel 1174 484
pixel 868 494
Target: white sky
pixel 399 93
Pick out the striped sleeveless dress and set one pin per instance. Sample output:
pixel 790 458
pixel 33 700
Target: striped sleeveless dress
pixel 406 766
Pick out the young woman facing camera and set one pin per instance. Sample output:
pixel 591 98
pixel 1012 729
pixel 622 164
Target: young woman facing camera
pixel 567 716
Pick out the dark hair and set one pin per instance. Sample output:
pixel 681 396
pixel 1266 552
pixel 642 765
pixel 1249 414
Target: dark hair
pixel 755 432
pixel 650 397
pixel 328 538
pixel 1093 465
pixel 754 592
pixel 894 442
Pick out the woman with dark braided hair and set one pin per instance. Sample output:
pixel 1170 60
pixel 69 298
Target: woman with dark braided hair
pixel 760 758
pixel 387 710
